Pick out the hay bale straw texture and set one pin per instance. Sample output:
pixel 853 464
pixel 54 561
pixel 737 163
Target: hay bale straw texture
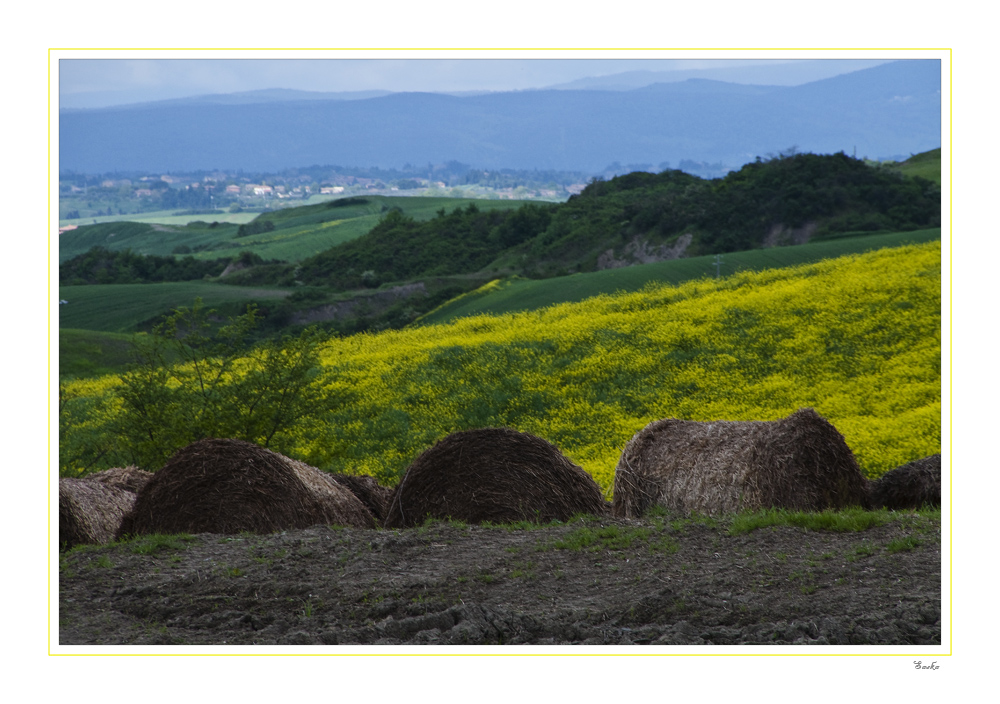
pixel 229 486
pixel 913 485
pixel 373 495
pixel 130 478
pixel 800 463
pixel 495 475
pixel 90 512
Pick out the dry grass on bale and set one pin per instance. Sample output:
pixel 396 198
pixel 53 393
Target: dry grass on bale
pixel 495 475
pixel 90 512
pixel 373 495
pixel 229 486
pixel 799 463
pixel 910 486
pixel 325 484
pixel 130 478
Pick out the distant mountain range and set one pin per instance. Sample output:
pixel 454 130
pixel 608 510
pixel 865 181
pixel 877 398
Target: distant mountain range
pixel 888 110
pixel 790 73
pixel 250 97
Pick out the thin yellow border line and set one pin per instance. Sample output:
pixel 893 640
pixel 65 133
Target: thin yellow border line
pixel 486 48
pixel 951 240
pixel 504 655
pixel 48 382
pixel 951 600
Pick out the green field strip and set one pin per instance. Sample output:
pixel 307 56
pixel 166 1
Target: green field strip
pixel 141 238
pixel 519 294
pixel 295 244
pixel 122 307
pixel 162 217
pixel 299 232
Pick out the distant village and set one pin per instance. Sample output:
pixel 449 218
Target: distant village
pixel 276 187
pixel 86 196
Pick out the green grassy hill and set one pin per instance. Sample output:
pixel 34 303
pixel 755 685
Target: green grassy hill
pixel 147 238
pixel 344 247
pixel 623 220
pixel 925 165
pixel 159 217
pixel 298 232
pixel 773 202
pixel 857 338
pixel 512 295
pixel 125 307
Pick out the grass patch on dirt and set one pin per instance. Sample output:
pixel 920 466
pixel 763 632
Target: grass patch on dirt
pixel 661 518
pixel 523 525
pixel 848 520
pixel 156 543
pixel 431 523
pixel 102 561
pixel 843 521
pixel 602 538
pixel 904 544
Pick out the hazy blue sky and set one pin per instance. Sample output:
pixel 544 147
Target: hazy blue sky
pixel 101 82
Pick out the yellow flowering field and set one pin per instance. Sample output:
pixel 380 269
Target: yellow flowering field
pixel 858 338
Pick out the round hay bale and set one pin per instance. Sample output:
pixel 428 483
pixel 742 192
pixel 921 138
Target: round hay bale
pixel 130 478
pixel 373 495
pixel 326 484
pixel 229 486
pixel 910 486
pixel 800 463
pixel 90 512
pixel 497 475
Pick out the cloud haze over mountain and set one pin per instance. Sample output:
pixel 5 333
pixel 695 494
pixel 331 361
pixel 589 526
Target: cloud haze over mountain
pixel 94 83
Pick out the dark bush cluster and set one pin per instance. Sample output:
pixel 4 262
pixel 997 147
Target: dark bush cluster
pixel 835 195
pixel 102 266
pixel 257 227
pixel 400 248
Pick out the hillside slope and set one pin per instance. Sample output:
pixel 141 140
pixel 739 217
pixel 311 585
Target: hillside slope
pixel 518 294
pixel 858 338
pixel 292 234
pixel 639 218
